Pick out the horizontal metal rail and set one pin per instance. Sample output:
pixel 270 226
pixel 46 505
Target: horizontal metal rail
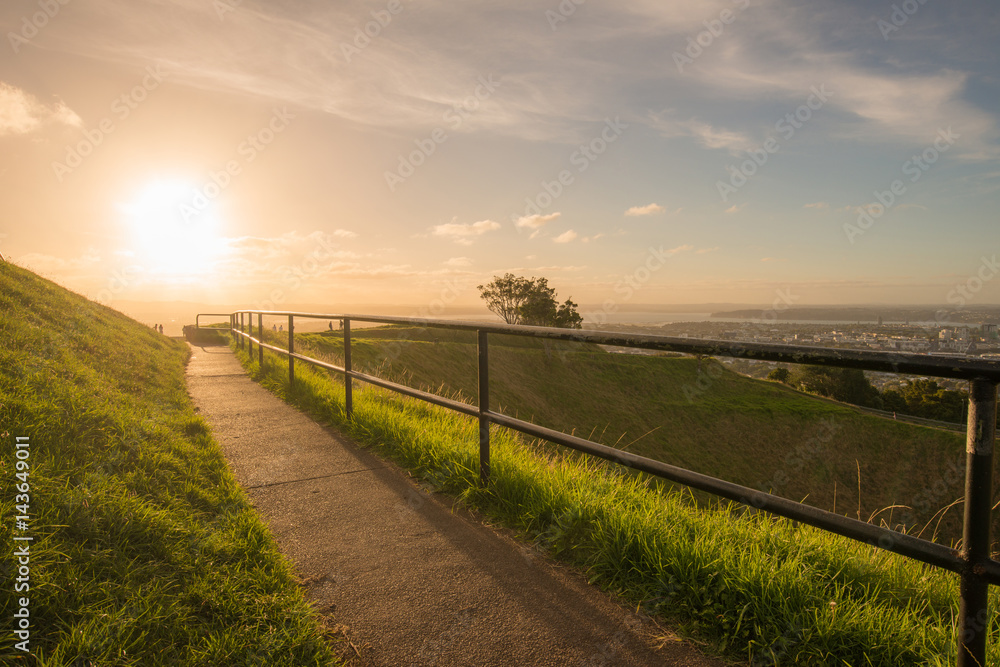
pixel 890 540
pixel 889 362
pixel 973 563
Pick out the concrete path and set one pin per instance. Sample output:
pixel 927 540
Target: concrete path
pixel 413 580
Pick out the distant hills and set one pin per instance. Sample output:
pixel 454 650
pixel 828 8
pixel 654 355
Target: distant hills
pixel 913 314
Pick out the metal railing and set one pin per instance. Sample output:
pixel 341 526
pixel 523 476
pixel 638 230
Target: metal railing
pixel 977 570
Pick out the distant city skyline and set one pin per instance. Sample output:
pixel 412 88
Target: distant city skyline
pixel 396 152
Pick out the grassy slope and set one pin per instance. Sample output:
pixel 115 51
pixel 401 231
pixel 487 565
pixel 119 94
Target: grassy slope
pixel 755 588
pixel 147 551
pixel 759 434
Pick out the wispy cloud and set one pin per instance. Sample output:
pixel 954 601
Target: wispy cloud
pixel 298 58
pixel 21 113
pixel 736 208
pixel 463 233
pixel 565 237
pixel 704 133
pixel 818 204
pixel 648 209
pixel 535 221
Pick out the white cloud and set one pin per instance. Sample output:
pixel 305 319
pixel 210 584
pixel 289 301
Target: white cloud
pixel 345 233
pixel 648 209
pixel 588 239
pixel 680 248
pixel 535 221
pixel 458 262
pixel 21 113
pixel 706 134
pixel 565 237
pixel 463 233
pixel 734 208
pixel 818 204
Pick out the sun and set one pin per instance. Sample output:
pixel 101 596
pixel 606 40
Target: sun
pixel 172 229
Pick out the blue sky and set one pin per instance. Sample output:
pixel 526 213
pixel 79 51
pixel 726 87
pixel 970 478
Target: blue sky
pixel 238 152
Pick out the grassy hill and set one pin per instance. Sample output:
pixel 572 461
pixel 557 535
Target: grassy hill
pixel 697 415
pixel 145 551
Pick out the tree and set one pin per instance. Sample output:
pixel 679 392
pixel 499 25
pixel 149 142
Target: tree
pixel 842 384
pixel 520 300
pixel 505 296
pixel 779 375
pixel 925 398
pixel 567 317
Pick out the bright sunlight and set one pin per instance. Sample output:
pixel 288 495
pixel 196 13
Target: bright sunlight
pixel 172 232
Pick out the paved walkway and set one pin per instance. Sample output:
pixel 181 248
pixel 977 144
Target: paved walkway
pixel 416 581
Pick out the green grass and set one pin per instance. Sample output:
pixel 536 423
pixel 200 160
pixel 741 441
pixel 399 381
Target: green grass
pixel 695 415
pixel 146 550
pixel 749 586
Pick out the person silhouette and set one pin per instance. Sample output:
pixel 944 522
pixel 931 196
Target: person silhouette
pixel 161 328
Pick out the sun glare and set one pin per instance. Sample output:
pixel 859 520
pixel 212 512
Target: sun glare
pixel 172 232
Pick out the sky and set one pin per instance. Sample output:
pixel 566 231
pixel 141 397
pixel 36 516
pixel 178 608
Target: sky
pixel 402 152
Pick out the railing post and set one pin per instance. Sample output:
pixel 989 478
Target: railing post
pixel 484 408
pixel 973 618
pixel 250 332
pixel 291 351
pixel 260 341
pixel 348 398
